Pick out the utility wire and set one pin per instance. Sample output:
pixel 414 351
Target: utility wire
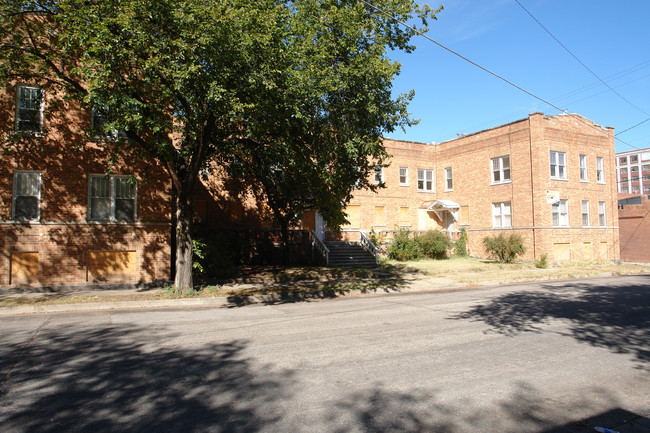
pixel 633 126
pixel 420 33
pixel 580 61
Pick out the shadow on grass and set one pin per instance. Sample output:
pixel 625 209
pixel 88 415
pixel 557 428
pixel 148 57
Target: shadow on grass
pixel 610 314
pixel 113 378
pixel 335 283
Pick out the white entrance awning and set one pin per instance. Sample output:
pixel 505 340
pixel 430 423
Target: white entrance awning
pixel 441 206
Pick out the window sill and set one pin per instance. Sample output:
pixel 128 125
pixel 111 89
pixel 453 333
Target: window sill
pixel 404 184
pixel 424 190
pixel 501 183
pixel 561 179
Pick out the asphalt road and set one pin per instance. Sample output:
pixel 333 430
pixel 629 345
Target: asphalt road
pixel 555 357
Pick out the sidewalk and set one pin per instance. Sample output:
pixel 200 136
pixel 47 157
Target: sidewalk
pixel 268 286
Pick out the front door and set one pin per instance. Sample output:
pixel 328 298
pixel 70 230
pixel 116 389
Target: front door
pixel 319 226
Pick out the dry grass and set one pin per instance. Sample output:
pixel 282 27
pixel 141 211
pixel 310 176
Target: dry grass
pixel 391 276
pixel 469 270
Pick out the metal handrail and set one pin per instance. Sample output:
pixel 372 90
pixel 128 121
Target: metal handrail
pixel 320 246
pixel 368 245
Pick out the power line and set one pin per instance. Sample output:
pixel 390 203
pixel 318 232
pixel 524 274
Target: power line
pixel 580 61
pixel 420 33
pixel 633 126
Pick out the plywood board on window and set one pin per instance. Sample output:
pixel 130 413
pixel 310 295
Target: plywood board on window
pixel 426 220
pixel 24 268
pixel 464 215
pixel 561 252
pixel 354 217
pixel 380 216
pixel 112 266
pixel 586 252
pixel 603 251
pixel 404 217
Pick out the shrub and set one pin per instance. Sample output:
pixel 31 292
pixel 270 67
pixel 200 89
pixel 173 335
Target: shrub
pixel 434 244
pixel 212 257
pixel 460 246
pixel 403 247
pixel 542 261
pixel 504 248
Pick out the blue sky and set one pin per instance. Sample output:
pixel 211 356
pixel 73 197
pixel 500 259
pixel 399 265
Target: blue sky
pixel 452 96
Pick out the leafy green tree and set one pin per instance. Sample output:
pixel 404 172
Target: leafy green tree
pixel 304 85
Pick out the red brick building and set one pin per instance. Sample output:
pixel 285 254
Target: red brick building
pixel 550 178
pixel 63 219
pixel 634 220
pixel 70 213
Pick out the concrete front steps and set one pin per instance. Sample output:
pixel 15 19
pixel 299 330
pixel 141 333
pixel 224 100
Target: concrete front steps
pixel 349 255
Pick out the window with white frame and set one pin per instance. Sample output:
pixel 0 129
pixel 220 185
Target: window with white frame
pixel 379 175
pixel 425 180
pixel 27 196
pixel 99 119
pixel 602 220
pixel 583 168
pixel 560 213
pixel 501 214
pixel 29 109
pixel 600 169
pixel 585 213
pixel 449 180
pixel 111 198
pixel 622 160
pixel 403 176
pixel 558 165
pixel 501 169
pixel 634 159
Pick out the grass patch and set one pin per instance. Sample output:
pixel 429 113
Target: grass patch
pixel 469 270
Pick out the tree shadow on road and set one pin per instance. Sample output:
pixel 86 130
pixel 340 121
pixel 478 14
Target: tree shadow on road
pixel 526 409
pixel 124 379
pixel 610 315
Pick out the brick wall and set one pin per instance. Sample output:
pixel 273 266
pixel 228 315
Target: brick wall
pixel 528 143
pixel 634 223
pixel 56 249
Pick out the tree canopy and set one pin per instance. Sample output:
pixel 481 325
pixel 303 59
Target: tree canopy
pixel 301 88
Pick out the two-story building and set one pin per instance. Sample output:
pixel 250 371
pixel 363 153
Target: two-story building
pixel 70 211
pixel 550 178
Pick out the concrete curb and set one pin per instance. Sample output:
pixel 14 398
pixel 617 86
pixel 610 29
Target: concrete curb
pixel 114 305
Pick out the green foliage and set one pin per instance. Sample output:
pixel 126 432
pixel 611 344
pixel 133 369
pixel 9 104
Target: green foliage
pixel 404 247
pixel 542 261
pixel 504 248
pixel 460 246
pixel 374 238
pixel 434 244
pixel 407 246
pixel 292 95
pixel 212 257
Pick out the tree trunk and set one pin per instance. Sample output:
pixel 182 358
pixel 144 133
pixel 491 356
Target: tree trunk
pixel 183 279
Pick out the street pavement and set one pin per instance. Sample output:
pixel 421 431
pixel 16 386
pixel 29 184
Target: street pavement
pixel 546 357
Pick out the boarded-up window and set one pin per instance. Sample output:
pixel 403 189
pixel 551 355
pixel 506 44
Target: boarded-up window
pixel 586 251
pixel 603 251
pixel 112 265
pixel 561 252
pixel 464 215
pixel 354 216
pixel 380 216
pixel 404 219
pixel 24 268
